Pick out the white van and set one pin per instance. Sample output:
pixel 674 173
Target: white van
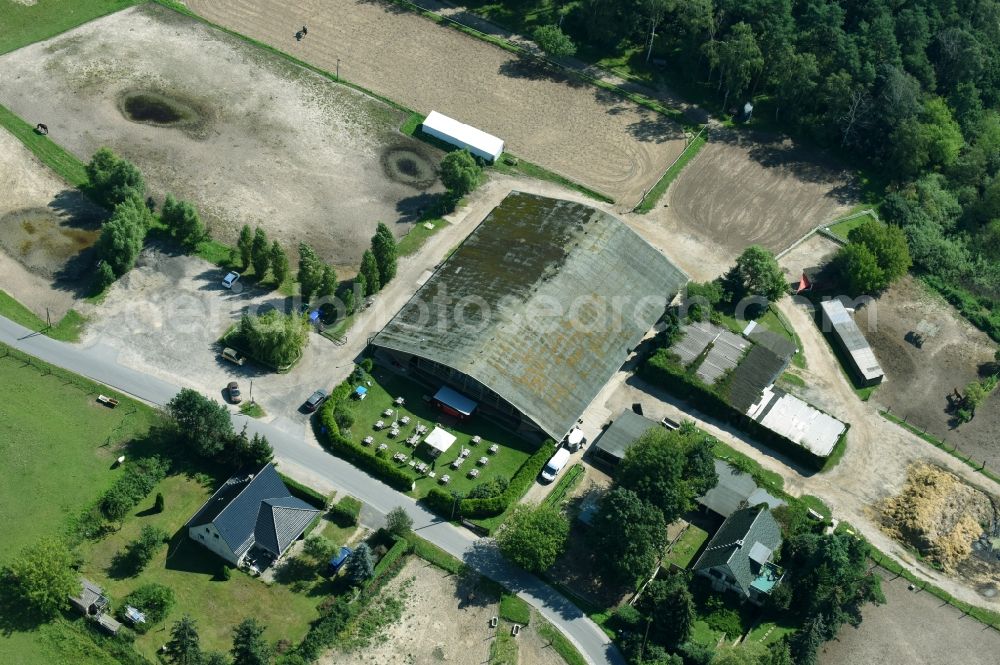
pixel 555 465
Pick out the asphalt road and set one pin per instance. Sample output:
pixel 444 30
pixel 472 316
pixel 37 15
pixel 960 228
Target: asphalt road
pixel 99 363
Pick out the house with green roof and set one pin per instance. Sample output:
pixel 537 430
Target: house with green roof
pixel 738 557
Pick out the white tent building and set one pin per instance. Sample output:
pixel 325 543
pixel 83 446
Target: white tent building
pixel 476 141
pixel 439 441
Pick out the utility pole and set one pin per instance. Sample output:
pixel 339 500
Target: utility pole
pixel 48 320
pixel 251 391
pixel 338 70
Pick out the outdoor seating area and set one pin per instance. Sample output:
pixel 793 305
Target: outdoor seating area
pixel 473 473
pixel 483 461
pixel 411 433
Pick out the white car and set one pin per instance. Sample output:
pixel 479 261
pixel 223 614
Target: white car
pixel 230 279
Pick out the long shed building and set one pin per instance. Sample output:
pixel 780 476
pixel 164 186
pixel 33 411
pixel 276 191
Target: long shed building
pixel 532 314
pixel 837 320
pixel 476 141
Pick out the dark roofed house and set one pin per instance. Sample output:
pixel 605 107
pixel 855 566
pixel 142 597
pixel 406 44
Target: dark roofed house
pixel 533 314
pixel 615 441
pixel 734 490
pixel 738 557
pixel 251 510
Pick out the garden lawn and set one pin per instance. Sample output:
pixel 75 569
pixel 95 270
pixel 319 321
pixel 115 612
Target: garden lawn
pixel 59 641
pixel 386 387
pixel 687 546
pixel 22 24
pixel 193 573
pixel 842 229
pixel 57 444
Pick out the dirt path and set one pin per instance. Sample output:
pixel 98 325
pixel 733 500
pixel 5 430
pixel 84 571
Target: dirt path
pixel 587 134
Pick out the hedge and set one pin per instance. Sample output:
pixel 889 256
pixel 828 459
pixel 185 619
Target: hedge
pixel 978 311
pixel 400 548
pixel 345 512
pixel 329 435
pixel 306 493
pixel 442 502
pixel 662 370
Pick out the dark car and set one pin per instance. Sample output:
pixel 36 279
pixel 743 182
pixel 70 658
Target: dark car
pixel 314 401
pixel 234 392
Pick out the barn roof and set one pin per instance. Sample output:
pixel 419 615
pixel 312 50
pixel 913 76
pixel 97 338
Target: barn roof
pixel 552 294
pixel 622 433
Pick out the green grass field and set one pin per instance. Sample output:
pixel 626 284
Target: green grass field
pixel 687 546
pixel 193 573
pixel 21 24
pixel 843 228
pixel 68 329
pixel 386 387
pixel 66 165
pixel 59 641
pixel 58 444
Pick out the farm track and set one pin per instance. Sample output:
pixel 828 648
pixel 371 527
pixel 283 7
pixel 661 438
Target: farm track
pixel 586 134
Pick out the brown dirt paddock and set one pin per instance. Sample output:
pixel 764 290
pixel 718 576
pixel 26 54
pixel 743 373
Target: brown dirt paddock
pixel 912 627
pixel 744 189
pixel 258 139
pixel 441 624
pixel 45 230
pixel 918 381
pixel 586 134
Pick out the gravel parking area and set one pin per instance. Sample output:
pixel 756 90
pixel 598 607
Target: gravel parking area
pixel 586 134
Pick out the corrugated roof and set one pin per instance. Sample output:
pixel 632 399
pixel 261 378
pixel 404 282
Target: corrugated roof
pixel 852 339
pixel 797 421
pixel 623 432
pixel 251 508
pixel 758 370
pixel 731 545
pixel 552 295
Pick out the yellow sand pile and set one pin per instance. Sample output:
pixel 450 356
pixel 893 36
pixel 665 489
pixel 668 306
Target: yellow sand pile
pixel 937 513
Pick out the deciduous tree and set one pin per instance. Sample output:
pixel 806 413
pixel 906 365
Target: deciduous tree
pixel 113 179
pixel 181 218
pixel 40 579
pixel 310 271
pixel 553 41
pixel 245 246
pixel 669 604
pixel 202 423
pixel 533 537
pixel 386 252
pixel 758 273
pixel 629 535
pixel 279 263
pixel 398 522
pixel 459 172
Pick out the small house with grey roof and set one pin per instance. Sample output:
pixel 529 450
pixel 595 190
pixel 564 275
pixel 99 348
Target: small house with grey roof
pixel 533 313
pixel 738 557
pixel 251 511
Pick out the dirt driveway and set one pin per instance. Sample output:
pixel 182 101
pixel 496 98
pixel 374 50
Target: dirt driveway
pixel 246 135
pixel 588 135
pixel 44 227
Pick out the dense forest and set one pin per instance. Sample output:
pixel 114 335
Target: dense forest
pixel 909 88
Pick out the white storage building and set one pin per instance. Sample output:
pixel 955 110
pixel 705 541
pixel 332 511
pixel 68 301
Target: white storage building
pixel 476 141
pixel 852 341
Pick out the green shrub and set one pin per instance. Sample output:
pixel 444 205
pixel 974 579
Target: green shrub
pixel 138 553
pixel 329 435
pixel 159 504
pixel 345 512
pixel 225 573
pixel 343 417
pixel 137 481
pixel 519 484
pixel 367 365
pixel 324 631
pixel 153 600
pixel 306 493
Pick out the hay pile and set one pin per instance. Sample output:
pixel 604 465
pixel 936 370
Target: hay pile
pixel 938 514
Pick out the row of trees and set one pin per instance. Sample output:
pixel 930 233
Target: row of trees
pixel 255 250
pixel 118 185
pixel 250 647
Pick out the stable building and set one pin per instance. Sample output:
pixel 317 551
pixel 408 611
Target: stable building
pixel 610 447
pixel 532 315
pixel 476 141
pixel 839 323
